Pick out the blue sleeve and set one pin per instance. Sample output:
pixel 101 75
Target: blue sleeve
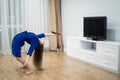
pixel 42 35
pixel 34 44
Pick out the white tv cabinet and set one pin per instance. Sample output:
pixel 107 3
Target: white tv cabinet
pixel 105 54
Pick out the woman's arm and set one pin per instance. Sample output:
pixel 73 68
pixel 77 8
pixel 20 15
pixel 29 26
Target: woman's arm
pixel 26 61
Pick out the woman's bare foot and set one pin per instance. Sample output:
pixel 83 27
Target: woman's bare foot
pixel 55 33
pixel 28 71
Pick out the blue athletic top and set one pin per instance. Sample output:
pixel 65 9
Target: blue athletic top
pixel 21 38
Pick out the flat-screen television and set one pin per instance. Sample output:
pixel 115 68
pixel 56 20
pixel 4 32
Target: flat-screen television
pixel 95 27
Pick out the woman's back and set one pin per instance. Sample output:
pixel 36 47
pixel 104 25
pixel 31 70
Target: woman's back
pixel 20 38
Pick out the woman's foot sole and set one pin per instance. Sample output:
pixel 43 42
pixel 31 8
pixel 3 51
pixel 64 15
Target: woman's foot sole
pixel 55 33
pixel 28 72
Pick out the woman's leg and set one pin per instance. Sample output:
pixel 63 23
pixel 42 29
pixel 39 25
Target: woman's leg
pixel 22 61
pixel 27 68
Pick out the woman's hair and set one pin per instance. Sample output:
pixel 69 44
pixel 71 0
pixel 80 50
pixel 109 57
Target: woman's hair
pixel 37 56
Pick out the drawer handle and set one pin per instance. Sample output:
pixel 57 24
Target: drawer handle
pixel 106 63
pixel 107 51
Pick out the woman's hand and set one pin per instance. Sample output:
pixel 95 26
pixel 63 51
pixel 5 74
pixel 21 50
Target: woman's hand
pixel 25 64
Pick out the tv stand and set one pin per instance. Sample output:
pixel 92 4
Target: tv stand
pixel 95 39
pixel 104 54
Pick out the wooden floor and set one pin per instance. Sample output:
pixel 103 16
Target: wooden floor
pixel 56 66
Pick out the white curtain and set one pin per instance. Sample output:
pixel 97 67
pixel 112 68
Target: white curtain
pixel 11 22
pixel 36 15
pixel 19 15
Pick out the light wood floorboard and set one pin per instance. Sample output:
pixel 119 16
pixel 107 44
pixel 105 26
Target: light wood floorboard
pixel 56 66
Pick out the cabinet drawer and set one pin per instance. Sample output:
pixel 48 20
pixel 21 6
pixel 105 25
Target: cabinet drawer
pixel 107 63
pixel 108 56
pixel 108 50
pixel 88 58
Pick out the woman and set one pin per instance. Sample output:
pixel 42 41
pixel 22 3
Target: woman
pixel 36 43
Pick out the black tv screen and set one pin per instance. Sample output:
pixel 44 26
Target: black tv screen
pixel 95 27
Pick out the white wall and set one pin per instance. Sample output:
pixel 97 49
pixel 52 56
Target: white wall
pixel 73 12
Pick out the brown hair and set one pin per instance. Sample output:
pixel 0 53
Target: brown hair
pixel 37 57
